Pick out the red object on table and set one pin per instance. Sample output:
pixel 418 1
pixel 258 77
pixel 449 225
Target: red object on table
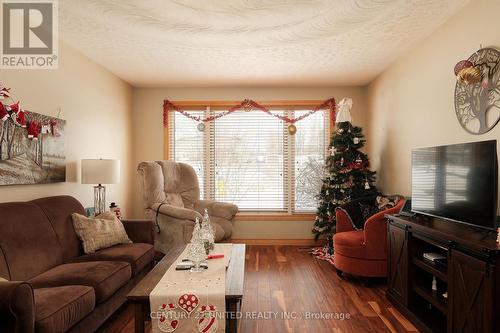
pixel 215 256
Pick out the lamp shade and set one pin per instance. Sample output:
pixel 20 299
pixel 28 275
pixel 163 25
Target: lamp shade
pixel 99 171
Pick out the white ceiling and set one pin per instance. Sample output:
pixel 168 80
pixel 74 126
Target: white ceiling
pixel 249 42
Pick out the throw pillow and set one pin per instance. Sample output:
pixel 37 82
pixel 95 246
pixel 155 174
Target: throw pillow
pixel 356 223
pixel 103 231
pixel 3 280
pixel 367 210
pixel 386 202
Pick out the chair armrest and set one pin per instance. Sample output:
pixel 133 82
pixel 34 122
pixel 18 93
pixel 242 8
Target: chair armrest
pixel 343 221
pixel 17 305
pixel 217 208
pixel 140 231
pixel 180 213
pixel 376 228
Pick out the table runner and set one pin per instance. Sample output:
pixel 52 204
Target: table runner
pixel 192 302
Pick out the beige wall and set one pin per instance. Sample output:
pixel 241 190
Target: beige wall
pixel 148 137
pixel 412 103
pixel 97 108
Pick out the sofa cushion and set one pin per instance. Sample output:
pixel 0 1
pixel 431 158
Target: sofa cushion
pixel 138 255
pixel 29 246
pixel 106 277
pixel 58 309
pixel 352 244
pixel 100 232
pixel 58 210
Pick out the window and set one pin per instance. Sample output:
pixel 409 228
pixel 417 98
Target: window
pixel 249 159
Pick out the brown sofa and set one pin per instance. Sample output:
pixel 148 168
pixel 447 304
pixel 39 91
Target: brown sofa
pixel 52 286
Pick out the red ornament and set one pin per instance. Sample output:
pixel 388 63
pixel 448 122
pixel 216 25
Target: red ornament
pixel 188 302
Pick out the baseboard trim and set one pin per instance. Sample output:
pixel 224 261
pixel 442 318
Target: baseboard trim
pixel 294 242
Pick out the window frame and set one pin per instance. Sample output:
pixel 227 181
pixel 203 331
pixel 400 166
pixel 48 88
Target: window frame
pixel 287 104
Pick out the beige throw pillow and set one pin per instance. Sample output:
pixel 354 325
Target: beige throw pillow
pixel 3 280
pixel 103 231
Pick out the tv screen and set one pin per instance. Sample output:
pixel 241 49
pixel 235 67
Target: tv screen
pixel 457 182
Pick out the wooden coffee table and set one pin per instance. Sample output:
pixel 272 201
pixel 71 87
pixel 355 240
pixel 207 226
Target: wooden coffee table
pixel 235 275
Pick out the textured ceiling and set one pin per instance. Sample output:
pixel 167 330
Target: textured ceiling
pixel 249 42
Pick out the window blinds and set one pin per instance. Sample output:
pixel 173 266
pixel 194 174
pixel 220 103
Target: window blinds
pixel 249 159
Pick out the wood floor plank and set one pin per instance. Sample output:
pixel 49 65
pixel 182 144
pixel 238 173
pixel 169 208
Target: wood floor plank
pixel 288 281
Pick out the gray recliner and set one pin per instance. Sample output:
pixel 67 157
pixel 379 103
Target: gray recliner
pixel 171 196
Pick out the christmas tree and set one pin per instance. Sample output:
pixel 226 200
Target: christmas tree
pixel 348 176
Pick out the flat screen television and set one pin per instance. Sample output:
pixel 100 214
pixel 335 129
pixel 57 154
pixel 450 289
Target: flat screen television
pixel 457 182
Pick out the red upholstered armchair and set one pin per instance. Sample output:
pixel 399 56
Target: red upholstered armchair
pixel 362 252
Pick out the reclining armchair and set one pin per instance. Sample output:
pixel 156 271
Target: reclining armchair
pixel 171 196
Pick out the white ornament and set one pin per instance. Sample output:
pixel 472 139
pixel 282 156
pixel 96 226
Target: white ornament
pixel 356 141
pixel 344 110
pixel 367 185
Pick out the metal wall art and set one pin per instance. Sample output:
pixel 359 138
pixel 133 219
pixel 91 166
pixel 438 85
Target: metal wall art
pixel 477 91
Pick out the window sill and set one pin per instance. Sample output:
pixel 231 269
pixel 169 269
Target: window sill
pixel 249 216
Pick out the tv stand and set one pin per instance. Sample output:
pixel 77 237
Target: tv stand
pixel 466 298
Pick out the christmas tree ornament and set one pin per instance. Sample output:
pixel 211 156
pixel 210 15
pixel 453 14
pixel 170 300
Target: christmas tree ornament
pixel 188 302
pixel 344 111
pixel 166 321
pixel 207 322
pixel 367 185
pixel 3 113
pixel 356 140
pixel 342 161
pixel 201 127
pixel 292 129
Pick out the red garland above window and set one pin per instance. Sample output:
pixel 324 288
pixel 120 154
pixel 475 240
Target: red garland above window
pixel 248 105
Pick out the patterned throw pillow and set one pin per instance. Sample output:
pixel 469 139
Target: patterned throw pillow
pixel 386 202
pixel 367 210
pixel 103 231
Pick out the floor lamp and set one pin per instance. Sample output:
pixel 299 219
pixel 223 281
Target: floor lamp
pixel 100 171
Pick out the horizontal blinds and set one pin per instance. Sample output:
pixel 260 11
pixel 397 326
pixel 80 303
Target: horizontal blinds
pixel 310 146
pixel 188 143
pixel 249 159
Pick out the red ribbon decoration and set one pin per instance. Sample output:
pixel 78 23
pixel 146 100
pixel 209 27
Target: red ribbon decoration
pixel 246 105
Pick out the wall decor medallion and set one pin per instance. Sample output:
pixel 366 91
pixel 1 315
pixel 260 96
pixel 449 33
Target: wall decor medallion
pixel 477 91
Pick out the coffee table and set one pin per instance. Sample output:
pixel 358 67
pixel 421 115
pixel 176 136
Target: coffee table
pixel 235 275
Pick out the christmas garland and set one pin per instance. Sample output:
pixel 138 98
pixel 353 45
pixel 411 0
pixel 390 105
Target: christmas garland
pixel 23 118
pixel 247 105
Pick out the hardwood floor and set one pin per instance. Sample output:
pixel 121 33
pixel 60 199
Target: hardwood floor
pixel 286 282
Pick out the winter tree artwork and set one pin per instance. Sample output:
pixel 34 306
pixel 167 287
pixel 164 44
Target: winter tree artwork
pixel 31 146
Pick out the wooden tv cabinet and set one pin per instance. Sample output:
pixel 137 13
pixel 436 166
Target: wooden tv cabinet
pixel 470 275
